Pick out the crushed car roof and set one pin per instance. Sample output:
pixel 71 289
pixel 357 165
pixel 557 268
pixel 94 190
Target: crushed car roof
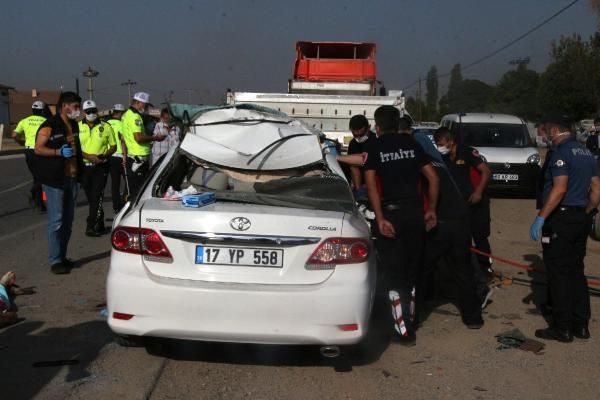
pixel 251 138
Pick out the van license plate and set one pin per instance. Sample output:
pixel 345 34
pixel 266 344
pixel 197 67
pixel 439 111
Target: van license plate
pixel 505 177
pixel 245 257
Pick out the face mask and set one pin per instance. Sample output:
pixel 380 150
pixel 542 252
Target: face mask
pixel 443 150
pixel 91 117
pixel 361 139
pixel 73 114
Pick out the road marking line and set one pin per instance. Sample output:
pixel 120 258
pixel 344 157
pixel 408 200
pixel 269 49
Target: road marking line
pixel 35 226
pixel 18 186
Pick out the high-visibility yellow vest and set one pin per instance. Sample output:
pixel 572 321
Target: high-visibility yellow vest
pixel 29 127
pixel 132 122
pixel 96 140
pixel 117 127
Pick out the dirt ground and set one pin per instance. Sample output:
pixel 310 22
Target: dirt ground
pixel 448 362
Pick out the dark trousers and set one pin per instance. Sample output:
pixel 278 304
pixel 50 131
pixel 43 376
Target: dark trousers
pixel 94 180
pixel 401 257
pixel 480 229
pixel 36 187
pixel 450 240
pixel 115 165
pixel 564 239
pixel 136 178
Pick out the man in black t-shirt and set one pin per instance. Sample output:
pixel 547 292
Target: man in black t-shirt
pixel 460 163
pixel 362 137
pixel 399 162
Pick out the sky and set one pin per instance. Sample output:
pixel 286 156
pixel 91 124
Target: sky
pixel 197 49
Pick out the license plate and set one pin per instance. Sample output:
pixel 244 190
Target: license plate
pixel 247 257
pixel 505 177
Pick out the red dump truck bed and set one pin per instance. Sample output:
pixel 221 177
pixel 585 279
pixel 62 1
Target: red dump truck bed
pixel 335 61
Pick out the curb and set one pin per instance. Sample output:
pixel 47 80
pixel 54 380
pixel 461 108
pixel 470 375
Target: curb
pixel 11 152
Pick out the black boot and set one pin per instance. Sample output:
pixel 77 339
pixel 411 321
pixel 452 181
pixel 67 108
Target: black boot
pixel 551 333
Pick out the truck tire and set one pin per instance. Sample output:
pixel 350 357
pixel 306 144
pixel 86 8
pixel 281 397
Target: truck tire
pixel 129 341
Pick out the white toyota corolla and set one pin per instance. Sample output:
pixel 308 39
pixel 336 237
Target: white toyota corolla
pixel 281 257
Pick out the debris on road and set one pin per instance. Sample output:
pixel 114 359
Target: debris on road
pixel 54 363
pixel 517 340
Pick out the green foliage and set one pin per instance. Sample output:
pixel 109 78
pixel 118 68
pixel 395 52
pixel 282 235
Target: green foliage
pixel 569 84
pixel 431 98
pixel 516 93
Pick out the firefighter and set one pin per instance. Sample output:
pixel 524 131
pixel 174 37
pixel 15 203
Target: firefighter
pixel 24 134
pixel 97 145
pixel 399 214
pixel 116 161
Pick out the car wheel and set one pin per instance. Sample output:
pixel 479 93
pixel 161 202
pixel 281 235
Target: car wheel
pixel 129 341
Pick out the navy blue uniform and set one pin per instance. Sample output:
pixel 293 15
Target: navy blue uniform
pixel 565 232
pixel 397 159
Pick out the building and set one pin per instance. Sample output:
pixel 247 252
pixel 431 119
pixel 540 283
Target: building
pixel 5 108
pixel 20 103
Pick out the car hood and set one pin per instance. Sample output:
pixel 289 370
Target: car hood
pixel 506 154
pixel 246 139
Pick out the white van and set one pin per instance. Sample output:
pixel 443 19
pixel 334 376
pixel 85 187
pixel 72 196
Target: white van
pixel 504 143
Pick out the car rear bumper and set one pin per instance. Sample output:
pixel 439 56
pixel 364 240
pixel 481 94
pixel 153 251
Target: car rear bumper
pixel 267 314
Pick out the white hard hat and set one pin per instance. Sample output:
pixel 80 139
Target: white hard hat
pixel 38 105
pixel 142 96
pixel 118 107
pixel 89 104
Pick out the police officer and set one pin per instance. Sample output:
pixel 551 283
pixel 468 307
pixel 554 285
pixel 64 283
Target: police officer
pixel 97 145
pixel 460 163
pixel 59 167
pixel 116 161
pixel 362 136
pixel 24 134
pixel 138 143
pixel 570 197
pixel 398 161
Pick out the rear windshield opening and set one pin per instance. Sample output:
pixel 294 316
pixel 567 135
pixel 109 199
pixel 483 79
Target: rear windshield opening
pixel 312 187
pixel 496 135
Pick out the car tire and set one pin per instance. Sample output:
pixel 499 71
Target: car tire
pixel 129 340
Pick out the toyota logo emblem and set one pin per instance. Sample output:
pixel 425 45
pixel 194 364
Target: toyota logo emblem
pixel 507 165
pixel 240 223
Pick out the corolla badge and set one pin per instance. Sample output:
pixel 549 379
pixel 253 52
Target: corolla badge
pixel 240 223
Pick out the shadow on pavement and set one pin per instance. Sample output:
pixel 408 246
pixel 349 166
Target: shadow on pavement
pixel 94 257
pixel 23 344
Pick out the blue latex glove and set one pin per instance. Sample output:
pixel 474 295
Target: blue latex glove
pixel 536 228
pixel 360 192
pixel 66 151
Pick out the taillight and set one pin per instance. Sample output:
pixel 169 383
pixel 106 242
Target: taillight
pixel 139 241
pixel 335 251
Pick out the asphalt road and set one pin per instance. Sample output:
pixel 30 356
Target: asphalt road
pixel 62 322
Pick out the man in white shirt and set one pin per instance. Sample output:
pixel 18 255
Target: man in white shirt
pixel 170 132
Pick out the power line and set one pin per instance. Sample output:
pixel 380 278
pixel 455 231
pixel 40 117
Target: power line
pixel 493 53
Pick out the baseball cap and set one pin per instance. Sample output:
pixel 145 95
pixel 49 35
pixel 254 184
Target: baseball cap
pixel 558 119
pixel 38 105
pixel 118 107
pixel 142 96
pixel 89 104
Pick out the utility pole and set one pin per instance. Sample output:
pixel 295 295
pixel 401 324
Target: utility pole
pixel 129 85
pixel 90 74
pixel 419 101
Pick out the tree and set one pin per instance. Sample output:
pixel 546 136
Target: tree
pixel 431 98
pixel 474 96
pixel 516 92
pixel 570 83
pixel 454 95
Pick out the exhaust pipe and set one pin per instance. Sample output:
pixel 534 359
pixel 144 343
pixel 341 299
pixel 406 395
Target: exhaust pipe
pixel 330 351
